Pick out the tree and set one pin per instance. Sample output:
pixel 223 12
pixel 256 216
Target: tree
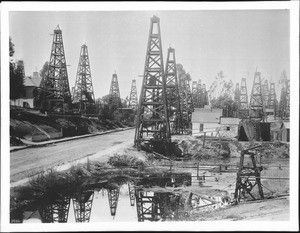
pixel 11 48
pixel 226 103
pixel 44 72
pixel 16 76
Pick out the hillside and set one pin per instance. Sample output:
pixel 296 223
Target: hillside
pixel 36 127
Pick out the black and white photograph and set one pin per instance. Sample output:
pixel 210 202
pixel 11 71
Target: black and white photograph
pixel 129 116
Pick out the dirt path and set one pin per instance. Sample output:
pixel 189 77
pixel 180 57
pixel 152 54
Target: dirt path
pixel 25 162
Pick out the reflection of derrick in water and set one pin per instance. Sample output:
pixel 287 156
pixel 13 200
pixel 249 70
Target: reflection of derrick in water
pixel 55 212
pixel 155 206
pixel 131 190
pixel 113 197
pixel 147 206
pixel 82 204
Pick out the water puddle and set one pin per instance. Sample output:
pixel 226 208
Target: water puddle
pixel 151 197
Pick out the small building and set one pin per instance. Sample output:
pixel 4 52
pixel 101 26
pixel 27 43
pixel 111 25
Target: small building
pixel 206 120
pixel 285 132
pixel 280 131
pixel 229 126
pixel 30 83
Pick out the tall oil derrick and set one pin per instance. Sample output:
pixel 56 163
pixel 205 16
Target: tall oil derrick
pixel 284 104
pixel 287 108
pixel 56 84
pixel 82 204
pixel 185 106
pixel 205 95
pixel 133 100
pixel 200 94
pixel 147 205
pixel 113 198
pixel 272 100
pixel 55 212
pixel 83 93
pixel 195 94
pixel 153 111
pixel 243 107
pixel 237 97
pixel 266 92
pixel 257 106
pixel 172 93
pixel 114 93
pixel 189 98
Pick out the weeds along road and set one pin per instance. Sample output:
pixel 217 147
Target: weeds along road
pixel 24 163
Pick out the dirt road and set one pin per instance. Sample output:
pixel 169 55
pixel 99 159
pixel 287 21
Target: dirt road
pixel 24 163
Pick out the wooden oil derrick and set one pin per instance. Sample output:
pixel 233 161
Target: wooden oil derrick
pixel 257 99
pixel 243 108
pixel 113 198
pixel 248 177
pixel 57 95
pixel 237 97
pixel 195 94
pixel 82 204
pixel 153 121
pixel 172 93
pixel 114 93
pixel 205 95
pixel 83 93
pixel 287 108
pixel 56 212
pixel 148 207
pixel 133 100
pixel 272 100
pixel 185 105
pixel 265 88
pixel 200 96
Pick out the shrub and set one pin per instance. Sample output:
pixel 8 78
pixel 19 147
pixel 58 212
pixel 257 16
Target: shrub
pixel 124 161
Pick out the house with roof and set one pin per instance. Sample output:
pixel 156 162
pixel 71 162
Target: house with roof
pixel 206 121
pixel 27 99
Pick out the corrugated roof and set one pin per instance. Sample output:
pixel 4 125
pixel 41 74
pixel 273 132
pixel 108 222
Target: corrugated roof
pixel 206 115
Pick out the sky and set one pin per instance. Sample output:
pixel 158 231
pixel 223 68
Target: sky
pixel 206 41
